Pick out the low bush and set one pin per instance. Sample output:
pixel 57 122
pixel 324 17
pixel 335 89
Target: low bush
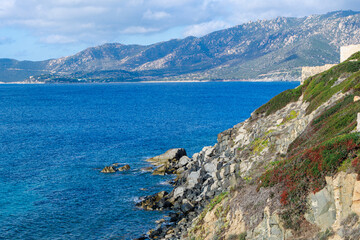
pixel 306 171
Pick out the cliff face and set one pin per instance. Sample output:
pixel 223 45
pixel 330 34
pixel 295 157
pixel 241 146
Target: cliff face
pixel 288 172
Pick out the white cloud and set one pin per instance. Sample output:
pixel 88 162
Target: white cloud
pixel 139 30
pixel 58 39
pixel 93 21
pixel 6 7
pixel 155 15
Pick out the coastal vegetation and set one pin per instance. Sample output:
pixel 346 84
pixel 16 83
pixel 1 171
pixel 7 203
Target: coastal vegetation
pixel 278 173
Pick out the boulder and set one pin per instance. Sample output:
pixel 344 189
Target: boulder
pixel 108 169
pixel 170 155
pixel 161 170
pixel 124 168
pixel 178 192
pixel 193 179
pixel 184 160
pixel 186 206
pixel 210 167
pixel 156 201
pixel 147 169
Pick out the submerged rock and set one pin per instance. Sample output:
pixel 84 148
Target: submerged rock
pixel 108 169
pixel 147 169
pixel 124 168
pixel 112 168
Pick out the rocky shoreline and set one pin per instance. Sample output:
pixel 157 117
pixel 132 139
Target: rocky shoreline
pixel 225 176
pixel 290 171
pixel 196 183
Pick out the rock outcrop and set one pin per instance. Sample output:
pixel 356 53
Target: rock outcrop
pixel 114 168
pixel 167 163
pixel 108 169
pixel 290 171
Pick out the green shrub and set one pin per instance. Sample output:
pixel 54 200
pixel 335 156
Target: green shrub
pixel 217 199
pixel 280 101
pixel 305 172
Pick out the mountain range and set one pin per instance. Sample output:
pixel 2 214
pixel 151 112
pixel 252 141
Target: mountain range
pixel 261 50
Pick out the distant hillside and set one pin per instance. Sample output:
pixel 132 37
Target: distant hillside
pixel 255 50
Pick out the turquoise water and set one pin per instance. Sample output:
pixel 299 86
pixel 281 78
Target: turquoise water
pixel 54 140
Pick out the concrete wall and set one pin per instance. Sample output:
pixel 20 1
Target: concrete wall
pixel 311 71
pixel 347 51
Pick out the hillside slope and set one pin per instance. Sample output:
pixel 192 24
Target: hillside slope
pixel 269 48
pixel 290 171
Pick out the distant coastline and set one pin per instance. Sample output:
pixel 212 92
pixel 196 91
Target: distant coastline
pixel 169 81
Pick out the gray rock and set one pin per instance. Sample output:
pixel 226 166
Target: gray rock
pixel 186 206
pixel 210 167
pixel 193 179
pixel 322 210
pixel 172 154
pixel 179 192
pixel 184 160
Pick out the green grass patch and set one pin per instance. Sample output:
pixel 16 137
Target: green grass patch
pixel 292 115
pixel 319 88
pixel 259 144
pixel 280 101
pixel 218 199
pixel 337 120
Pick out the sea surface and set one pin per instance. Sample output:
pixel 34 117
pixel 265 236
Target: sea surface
pixel 55 139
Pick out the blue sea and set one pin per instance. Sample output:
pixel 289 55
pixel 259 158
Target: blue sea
pixel 55 139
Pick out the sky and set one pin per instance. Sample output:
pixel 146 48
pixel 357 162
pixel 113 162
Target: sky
pixel 45 29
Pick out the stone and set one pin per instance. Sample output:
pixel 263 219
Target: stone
pixel 184 160
pixel 161 170
pixel 108 169
pixel 147 169
pixel 153 202
pixel 355 207
pixel 210 167
pixel 124 168
pixel 179 192
pixel 322 209
pixel 193 179
pixel 186 206
pixel 160 221
pixel 343 188
pixel 172 154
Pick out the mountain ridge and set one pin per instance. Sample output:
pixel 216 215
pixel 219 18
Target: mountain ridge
pixel 272 49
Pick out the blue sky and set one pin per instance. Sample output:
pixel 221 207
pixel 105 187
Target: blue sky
pixel 44 29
